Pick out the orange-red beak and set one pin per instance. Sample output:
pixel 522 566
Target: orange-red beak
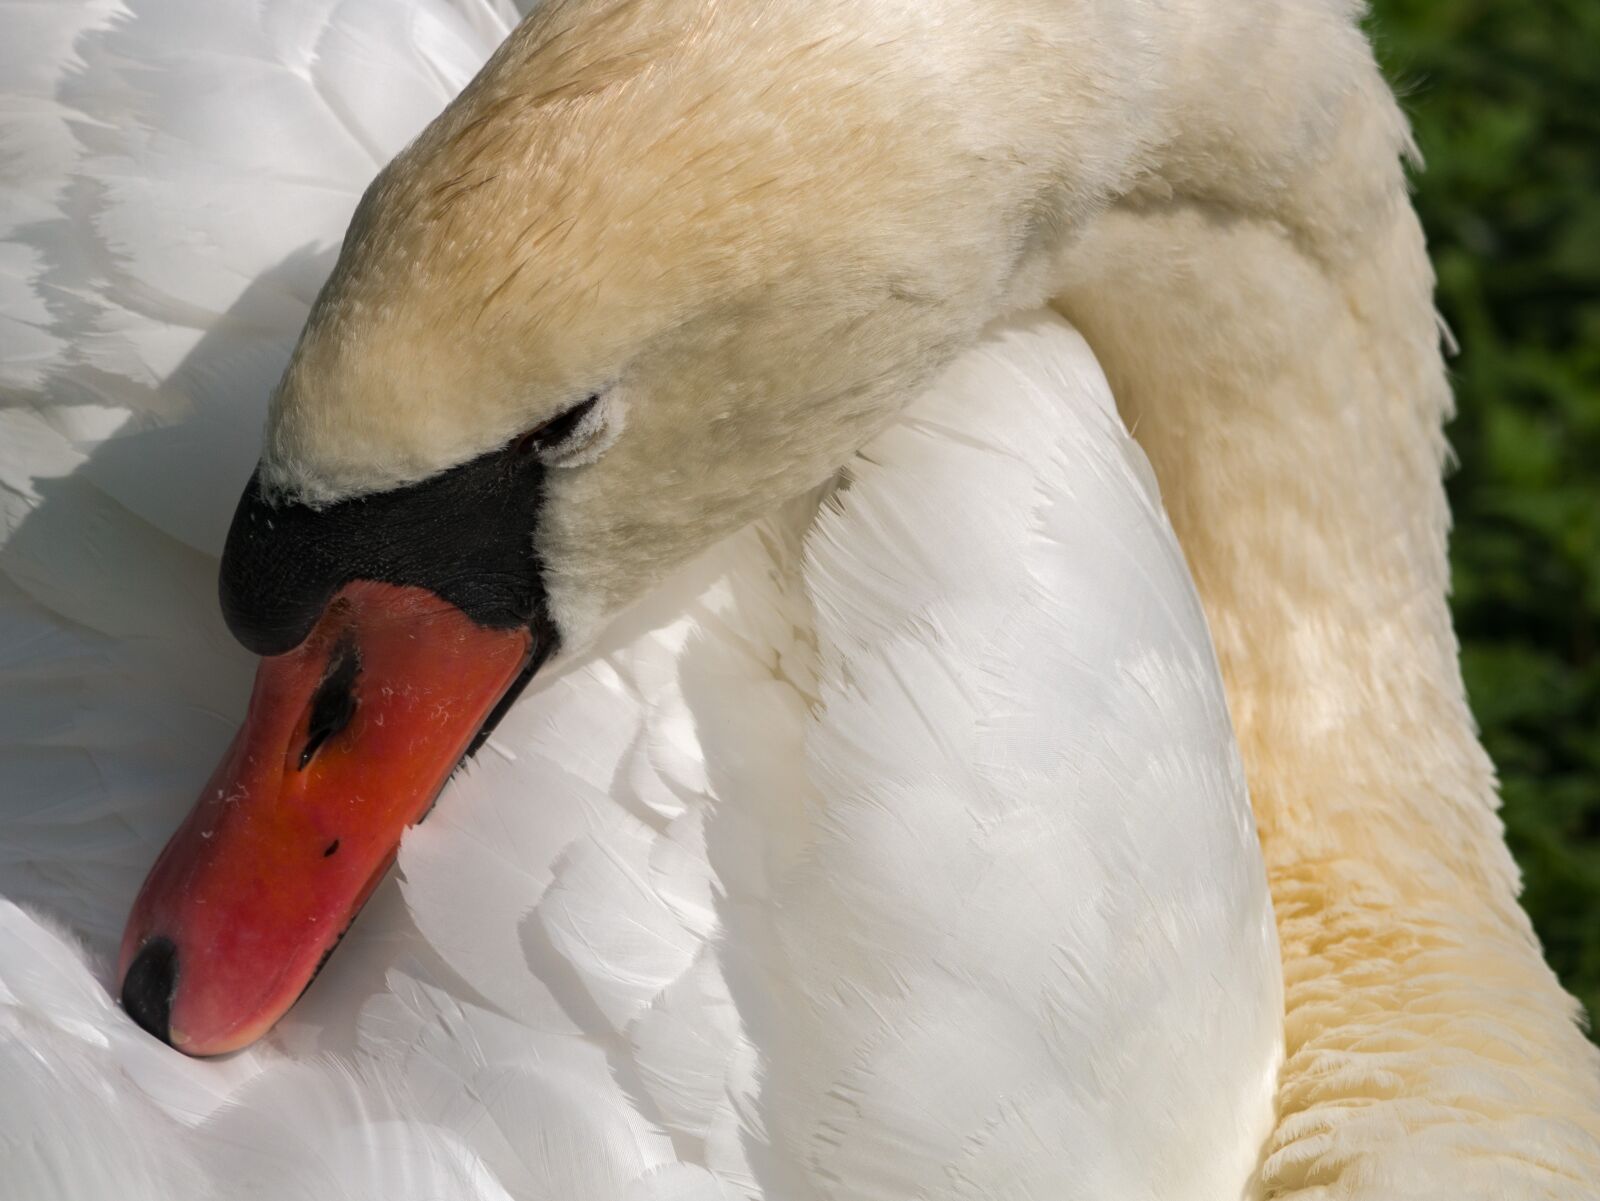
pixel 349 738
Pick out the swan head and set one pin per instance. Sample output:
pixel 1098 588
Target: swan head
pixel 690 273
pixel 645 279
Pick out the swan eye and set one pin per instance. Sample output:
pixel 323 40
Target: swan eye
pixel 571 437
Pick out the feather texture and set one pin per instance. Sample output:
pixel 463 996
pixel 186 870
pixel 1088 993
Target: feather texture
pixel 896 847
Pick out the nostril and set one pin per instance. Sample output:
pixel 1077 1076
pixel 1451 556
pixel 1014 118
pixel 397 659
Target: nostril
pixel 147 988
pixel 335 702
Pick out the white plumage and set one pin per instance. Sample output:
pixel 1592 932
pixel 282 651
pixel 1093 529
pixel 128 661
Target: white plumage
pixel 897 847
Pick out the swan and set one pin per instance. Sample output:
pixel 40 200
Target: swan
pixel 745 238
pixel 586 1018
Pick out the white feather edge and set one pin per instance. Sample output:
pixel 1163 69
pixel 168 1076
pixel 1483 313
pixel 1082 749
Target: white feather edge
pixel 669 937
pixel 1003 876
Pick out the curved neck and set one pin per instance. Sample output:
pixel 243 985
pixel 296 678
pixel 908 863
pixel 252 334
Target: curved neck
pixel 1268 328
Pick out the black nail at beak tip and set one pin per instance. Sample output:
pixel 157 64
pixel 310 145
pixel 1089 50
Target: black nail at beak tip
pixel 148 987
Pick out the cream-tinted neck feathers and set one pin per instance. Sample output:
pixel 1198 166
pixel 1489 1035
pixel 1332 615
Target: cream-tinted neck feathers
pixel 759 221
pixel 763 224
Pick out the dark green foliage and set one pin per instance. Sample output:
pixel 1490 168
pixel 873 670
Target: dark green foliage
pixel 1505 100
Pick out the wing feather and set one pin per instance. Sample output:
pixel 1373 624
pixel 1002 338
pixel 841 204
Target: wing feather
pixel 1032 898
pixel 830 873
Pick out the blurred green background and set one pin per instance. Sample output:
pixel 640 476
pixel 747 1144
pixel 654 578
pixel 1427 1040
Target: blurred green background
pixel 1505 101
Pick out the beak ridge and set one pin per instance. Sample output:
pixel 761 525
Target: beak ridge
pixel 348 740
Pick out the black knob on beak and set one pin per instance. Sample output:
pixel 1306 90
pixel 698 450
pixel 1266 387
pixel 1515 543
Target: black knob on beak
pixel 467 534
pixel 280 567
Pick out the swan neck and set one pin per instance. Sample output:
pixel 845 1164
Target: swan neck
pixel 1273 344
